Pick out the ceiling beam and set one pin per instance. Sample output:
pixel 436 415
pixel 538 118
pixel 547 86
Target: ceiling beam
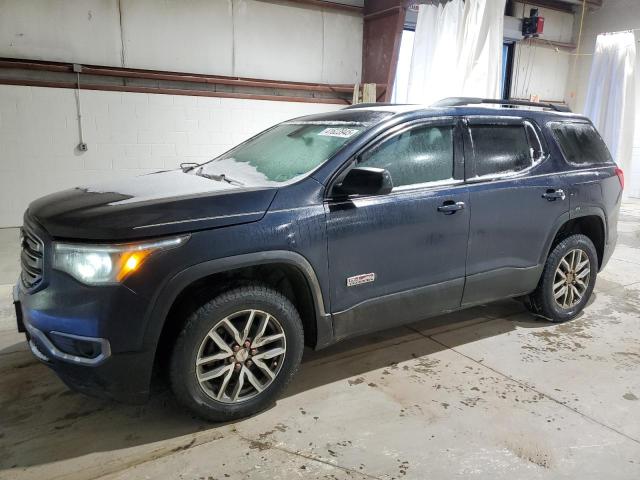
pixel 568 6
pixel 353 7
pixel 593 3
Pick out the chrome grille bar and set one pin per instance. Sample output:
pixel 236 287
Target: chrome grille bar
pixel 31 258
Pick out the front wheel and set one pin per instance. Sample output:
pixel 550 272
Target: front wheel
pixel 237 353
pixel 567 281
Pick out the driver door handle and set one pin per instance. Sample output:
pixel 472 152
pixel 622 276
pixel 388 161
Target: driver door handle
pixel 450 207
pixel 552 194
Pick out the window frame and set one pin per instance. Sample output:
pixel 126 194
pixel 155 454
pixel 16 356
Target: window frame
pixel 471 159
pixel 458 155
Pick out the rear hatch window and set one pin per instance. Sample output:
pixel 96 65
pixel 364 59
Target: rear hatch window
pixel 581 143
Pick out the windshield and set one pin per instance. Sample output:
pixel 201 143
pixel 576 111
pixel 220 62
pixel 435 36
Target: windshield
pixel 283 153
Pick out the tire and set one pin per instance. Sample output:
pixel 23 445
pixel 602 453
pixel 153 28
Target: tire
pixel 542 302
pixel 196 343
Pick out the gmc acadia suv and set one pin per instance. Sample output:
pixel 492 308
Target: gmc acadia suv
pixel 315 230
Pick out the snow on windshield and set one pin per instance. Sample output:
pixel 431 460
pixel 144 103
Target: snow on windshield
pixel 283 153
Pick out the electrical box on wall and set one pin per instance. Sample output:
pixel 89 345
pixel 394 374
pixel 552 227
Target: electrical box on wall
pixel 533 25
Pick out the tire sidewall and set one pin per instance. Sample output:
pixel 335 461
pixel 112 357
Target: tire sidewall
pixel 183 368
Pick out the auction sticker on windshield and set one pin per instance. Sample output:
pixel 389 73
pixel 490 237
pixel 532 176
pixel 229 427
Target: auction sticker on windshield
pixel 338 132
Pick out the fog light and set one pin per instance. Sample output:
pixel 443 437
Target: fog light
pixel 74 346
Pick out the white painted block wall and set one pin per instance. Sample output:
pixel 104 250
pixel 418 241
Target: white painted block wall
pixel 540 68
pixel 127 133
pixel 246 38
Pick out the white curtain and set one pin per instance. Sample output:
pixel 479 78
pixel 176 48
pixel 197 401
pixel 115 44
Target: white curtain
pixel 401 83
pixel 457 51
pixel 610 101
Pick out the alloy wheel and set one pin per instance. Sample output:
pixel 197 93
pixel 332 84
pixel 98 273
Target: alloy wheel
pixel 572 278
pixel 240 356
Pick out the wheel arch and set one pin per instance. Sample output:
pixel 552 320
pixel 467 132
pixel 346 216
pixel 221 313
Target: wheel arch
pixel 195 276
pixel 589 221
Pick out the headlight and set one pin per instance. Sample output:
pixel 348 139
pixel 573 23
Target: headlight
pixel 103 264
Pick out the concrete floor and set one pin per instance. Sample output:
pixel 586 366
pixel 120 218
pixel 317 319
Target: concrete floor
pixel 484 393
pixel 9 255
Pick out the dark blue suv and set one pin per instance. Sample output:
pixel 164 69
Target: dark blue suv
pixel 318 229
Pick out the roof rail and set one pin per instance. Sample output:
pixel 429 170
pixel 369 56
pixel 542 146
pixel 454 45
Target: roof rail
pixel 367 105
pixel 461 101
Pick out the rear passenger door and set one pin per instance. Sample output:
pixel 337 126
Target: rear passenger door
pixel 515 199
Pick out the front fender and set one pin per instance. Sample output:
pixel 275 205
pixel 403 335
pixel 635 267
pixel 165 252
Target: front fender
pixel 179 282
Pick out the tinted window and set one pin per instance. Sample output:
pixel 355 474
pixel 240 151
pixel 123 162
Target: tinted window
pixel 500 149
pixel 581 143
pixel 419 155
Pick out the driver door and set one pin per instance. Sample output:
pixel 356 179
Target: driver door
pixel 400 257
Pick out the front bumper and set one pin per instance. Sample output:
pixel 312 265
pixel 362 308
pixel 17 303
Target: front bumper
pixel 44 349
pixel 110 371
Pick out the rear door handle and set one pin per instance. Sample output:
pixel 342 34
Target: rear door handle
pixel 552 194
pixel 450 207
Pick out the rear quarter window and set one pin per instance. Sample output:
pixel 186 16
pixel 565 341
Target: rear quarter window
pixel 581 144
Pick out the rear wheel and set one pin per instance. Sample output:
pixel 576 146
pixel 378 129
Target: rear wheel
pixel 567 280
pixel 236 353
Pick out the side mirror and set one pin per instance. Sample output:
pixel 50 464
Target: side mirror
pixel 365 181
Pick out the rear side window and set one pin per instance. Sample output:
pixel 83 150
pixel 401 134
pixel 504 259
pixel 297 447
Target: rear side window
pixel 419 155
pixel 581 144
pixel 500 149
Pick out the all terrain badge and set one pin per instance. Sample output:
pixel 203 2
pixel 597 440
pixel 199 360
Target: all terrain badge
pixel 360 279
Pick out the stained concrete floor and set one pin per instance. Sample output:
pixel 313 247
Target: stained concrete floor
pixel 484 393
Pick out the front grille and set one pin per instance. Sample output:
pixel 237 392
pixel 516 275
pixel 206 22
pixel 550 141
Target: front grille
pixel 31 259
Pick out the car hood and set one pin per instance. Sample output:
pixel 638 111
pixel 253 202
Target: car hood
pixel 160 203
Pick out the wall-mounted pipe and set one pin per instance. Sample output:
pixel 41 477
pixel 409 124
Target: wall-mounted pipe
pixel 329 93
pixel 174 91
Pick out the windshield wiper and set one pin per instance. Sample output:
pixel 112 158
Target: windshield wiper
pixel 219 178
pixel 186 166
